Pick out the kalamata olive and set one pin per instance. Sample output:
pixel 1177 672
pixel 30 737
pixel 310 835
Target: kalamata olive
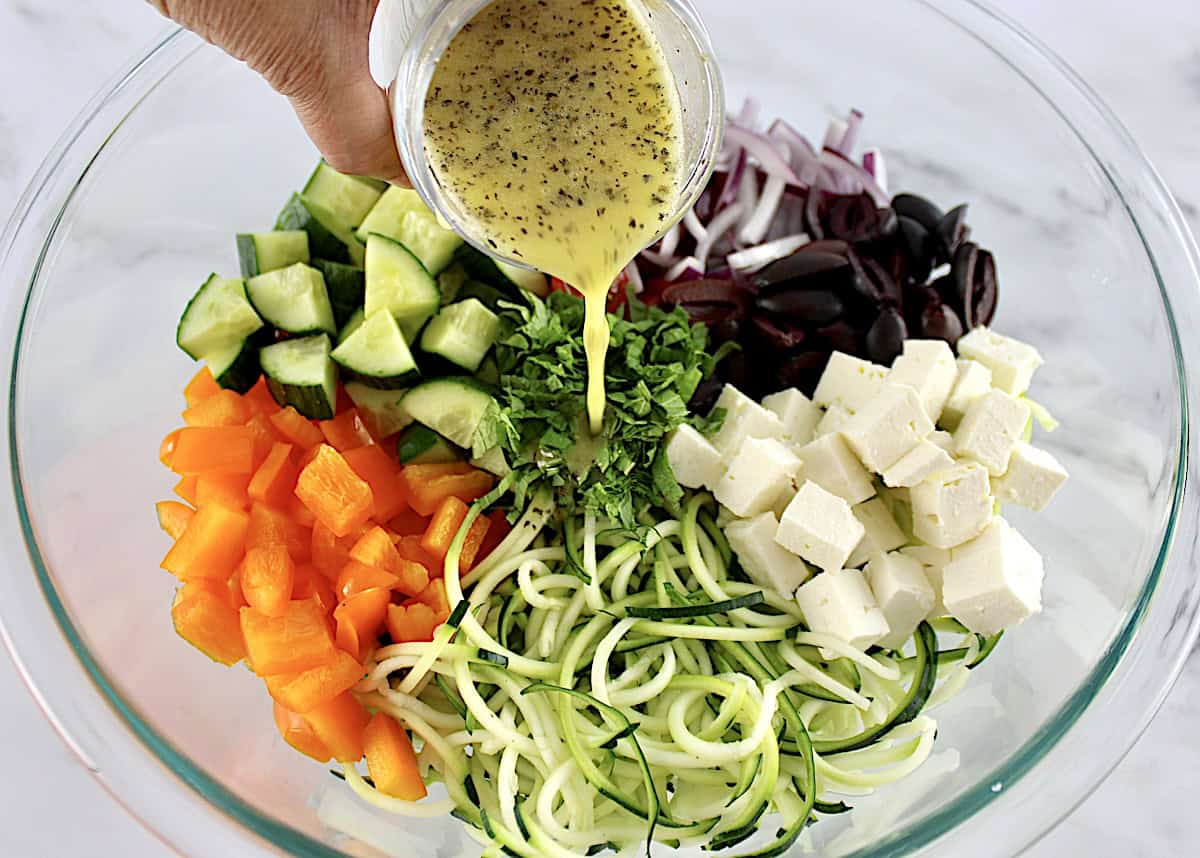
pixel 889 222
pixel 962 269
pixel 706 395
pixel 841 336
pixel 808 270
pixel 985 290
pixel 776 334
pixel 801 370
pixel 708 291
pixel 854 218
pixel 710 314
pixel 885 339
pixel 919 209
pixel 724 331
pixel 940 322
pixel 812 214
pixel 915 242
pixel 951 232
pixel 814 306
pixel 886 287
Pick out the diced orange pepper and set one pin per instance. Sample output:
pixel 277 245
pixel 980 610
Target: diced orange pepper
pixel 498 529
pixel 166 450
pixel 408 523
pixel 210 624
pixel 233 588
pixel 329 554
pixel 446 521
pixel 411 623
pixel 356 577
pixel 173 517
pixel 435 597
pixel 336 496
pixel 297 733
pixel 296 428
pixel 311 584
pixel 346 431
pixel 473 543
pixel 202 386
pixel 426 486
pixel 267 575
pixel 275 480
pixel 413 578
pixel 301 514
pixel 410 549
pixel 298 640
pixel 375 548
pixel 269 526
pixel 211 546
pixel 205 585
pixel 265 437
pixel 359 620
pixel 339 724
pixel 391 761
pixel 223 408
pixel 214 450
pixel 225 489
pixel 382 474
pixel 259 399
pixel 304 691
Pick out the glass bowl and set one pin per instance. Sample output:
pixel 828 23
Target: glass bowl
pixel 142 197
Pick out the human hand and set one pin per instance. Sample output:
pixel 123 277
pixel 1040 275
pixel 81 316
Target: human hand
pixel 315 53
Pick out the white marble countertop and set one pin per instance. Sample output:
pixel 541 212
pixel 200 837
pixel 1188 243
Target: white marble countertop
pixel 1145 63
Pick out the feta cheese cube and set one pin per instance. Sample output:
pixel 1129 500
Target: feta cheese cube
pixel 758 474
pixel 820 527
pixel 694 461
pixel 952 506
pixel 1012 362
pixel 928 367
pixel 829 463
pixel 767 562
pixel 744 418
pixel 887 427
pixel 797 412
pixel 990 428
pixel 841 604
pixel 974 380
pixel 834 418
pixel 918 463
pixel 933 561
pixel 994 581
pixel 881 533
pixel 849 382
pixel 1032 479
pixel 943 439
pixel 904 595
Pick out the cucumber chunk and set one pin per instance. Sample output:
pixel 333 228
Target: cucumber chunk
pixel 376 353
pixel 452 407
pixel 352 324
pixel 420 445
pixel 488 295
pixel 328 237
pixel 346 286
pixel 237 368
pixel 450 281
pixel 261 252
pixel 293 299
pixel 462 333
pixel 300 373
pixel 402 216
pixel 399 283
pixel 349 198
pixel 503 276
pixel 218 317
pixel 380 409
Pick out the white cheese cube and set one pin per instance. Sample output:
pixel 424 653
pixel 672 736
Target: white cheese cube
pixel 934 561
pixel 990 428
pixel 834 418
pixel 820 527
pixel 1012 362
pixel 918 463
pixel 928 367
pixel 841 604
pixel 994 581
pixel 887 427
pixel 952 506
pixel 797 412
pixel 903 592
pixel 943 439
pixel 974 380
pixel 694 461
pixel 829 463
pixel 880 532
pixel 849 382
pixel 767 562
pixel 759 473
pixel 744 418
pixel 1032 479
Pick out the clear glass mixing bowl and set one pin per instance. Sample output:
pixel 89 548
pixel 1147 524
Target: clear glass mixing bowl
pixel 142 198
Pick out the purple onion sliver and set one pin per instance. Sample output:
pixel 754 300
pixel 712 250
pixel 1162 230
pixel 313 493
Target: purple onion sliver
pixel 757 221
pixel 755 258
pixel 850 138
pixel 764 150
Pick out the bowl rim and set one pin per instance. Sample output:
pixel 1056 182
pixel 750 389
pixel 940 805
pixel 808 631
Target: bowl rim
pixel 53 691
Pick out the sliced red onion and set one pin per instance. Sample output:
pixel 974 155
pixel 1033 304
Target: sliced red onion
pixel 873 163
pixel 764 150
pixel 748 116
pixel 850 138
pixel 803 156
pixel 747 196
pixel 692 224
pixel 725 220
pixel 733 181
pixel 850 178
pixel 689 268
pixel 658 259
pixel 758 220
pixel 755 258
pixel 669 242
pixel 634 277
pixel 834 134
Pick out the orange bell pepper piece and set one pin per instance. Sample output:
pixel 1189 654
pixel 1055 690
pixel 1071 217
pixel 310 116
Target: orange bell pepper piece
pixel 265 437
pixel 259 399
pixel 375 548
pixel 414 622
pixel 426 486
pixel 295 428
pixel 202 386
pixel 233 590
pixel 336 496
pixel 435 597
pixel 360 619
pixel 329 553
pixel 356 577
pixel 173 517
pixel 382 474
pixel 410 549
pixel 346 431
pixel 166 450
pixel 304 691
pixel 214 450
pixel 413 578
pixel 186 488
pixel 339 724
pixel 299 640
pixel 267 575
pixel 311 584
pixel 210 546
pixel 269 526
pixel 473 543
pixel 408 523
pixel 446 521
pixel 391 760
pixel 209 623
pixel 297 733
pixel 223 408
pixel 275 480
pixel 224 489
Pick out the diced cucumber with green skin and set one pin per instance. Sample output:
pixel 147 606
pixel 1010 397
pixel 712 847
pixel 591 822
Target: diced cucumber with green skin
pixel 218 317
pixel 420 445
pixel 261 252
pixel 399 283
pixel 450 281
pixel 462 333
pixel 381 409
pixel 488 295
pixel 328 237
pixel 401 215
pixel 348 197
pixel 300 373
pixel 494 462
pixel 293 299
pixel 377 354
pixel 352 325
pixel 488 372
pixel 506 277
pixel 347 286
pixel 237 367
pixel 452 407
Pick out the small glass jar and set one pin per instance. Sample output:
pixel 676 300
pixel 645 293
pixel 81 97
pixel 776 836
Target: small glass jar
pixel 408 37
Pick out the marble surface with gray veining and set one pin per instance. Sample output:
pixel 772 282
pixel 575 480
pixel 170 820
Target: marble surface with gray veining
pixel 1143 58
